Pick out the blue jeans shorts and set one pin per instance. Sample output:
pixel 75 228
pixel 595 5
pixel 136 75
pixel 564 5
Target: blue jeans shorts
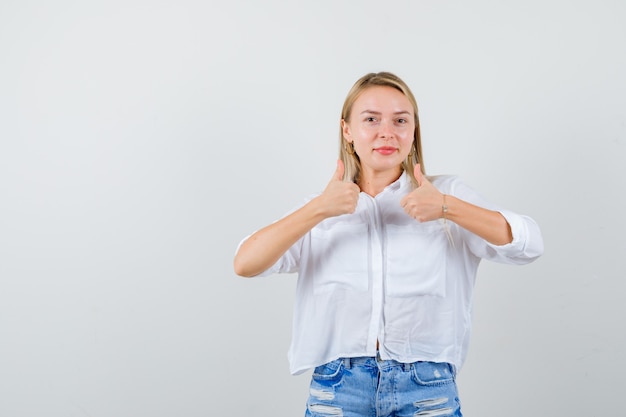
pixel 370 387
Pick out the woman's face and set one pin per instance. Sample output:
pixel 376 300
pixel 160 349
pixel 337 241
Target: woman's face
pixel 381 126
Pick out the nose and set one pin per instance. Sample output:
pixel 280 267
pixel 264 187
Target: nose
pixel 386 129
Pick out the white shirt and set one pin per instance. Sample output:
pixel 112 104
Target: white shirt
pixel 380 275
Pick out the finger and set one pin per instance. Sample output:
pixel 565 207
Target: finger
pixel 417 171
pixel 338 175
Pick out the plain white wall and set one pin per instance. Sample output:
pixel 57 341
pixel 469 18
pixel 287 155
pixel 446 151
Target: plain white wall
pixel 141 140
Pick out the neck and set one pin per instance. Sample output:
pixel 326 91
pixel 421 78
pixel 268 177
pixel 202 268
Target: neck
pixel 373 183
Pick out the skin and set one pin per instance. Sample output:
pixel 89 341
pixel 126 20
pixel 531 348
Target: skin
pixel 381 128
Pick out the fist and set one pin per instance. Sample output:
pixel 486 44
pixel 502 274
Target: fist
pixel 424 203
pixel 339 197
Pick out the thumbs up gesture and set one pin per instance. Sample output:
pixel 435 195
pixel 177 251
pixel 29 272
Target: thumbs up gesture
pixel 339 197
pixel 425 202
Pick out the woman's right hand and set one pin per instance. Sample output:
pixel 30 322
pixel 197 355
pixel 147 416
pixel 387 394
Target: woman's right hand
pixel 261 250
pixel 339 197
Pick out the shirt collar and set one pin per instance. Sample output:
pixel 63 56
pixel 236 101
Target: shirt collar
pixel 400 182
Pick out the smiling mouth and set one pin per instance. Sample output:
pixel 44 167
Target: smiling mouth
pixel 385 150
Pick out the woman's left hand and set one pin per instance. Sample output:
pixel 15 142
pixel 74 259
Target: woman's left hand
pixel 425 202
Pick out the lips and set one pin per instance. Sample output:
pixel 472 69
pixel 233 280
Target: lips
pixel 386 150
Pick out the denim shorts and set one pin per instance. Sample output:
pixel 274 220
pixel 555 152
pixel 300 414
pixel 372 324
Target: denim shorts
pixel 370 387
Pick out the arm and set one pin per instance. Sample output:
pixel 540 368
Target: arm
pixel 488 224
pixel 425 203
pixel 261 250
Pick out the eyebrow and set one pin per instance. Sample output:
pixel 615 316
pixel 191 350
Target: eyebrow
pixel 378 113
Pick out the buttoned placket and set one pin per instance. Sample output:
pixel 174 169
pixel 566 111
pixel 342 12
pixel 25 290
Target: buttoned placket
pixel 376 271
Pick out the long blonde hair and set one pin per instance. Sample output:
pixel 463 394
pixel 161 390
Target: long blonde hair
pixel 346 151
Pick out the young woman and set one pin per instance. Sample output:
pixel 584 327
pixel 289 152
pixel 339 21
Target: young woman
pixel 386 260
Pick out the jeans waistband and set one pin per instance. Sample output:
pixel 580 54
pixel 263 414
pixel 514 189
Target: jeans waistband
pixel 374 362
pixel 377 362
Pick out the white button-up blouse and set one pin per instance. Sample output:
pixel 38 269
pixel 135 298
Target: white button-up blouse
pixel 379 275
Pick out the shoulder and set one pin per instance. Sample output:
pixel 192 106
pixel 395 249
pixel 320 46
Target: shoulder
pixel 454 185
pixel 445 182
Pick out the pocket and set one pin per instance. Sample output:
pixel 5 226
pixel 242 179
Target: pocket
pixel 329 373
pixel 416 260
pixel 432 373
pixel 340 257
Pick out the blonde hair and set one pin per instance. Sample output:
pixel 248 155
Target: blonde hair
pixel 346 152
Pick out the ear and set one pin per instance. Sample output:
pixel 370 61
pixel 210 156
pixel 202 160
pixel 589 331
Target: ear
pixel 345 129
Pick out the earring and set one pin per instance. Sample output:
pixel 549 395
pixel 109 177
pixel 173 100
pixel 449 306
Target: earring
pixel 412 151
pixel 349 147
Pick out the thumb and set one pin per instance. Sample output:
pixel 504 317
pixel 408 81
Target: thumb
pixel 338 175
pixel 417 171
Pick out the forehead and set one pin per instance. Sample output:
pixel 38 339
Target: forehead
pixel 381 98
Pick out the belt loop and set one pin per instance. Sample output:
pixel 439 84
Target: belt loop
pixel 347 363
pixel 407 367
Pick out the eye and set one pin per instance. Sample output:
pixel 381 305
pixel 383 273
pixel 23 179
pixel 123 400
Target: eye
pixel 370 119
pixel 402 121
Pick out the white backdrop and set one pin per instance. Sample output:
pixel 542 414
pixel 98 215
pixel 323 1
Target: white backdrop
pixel 141 140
